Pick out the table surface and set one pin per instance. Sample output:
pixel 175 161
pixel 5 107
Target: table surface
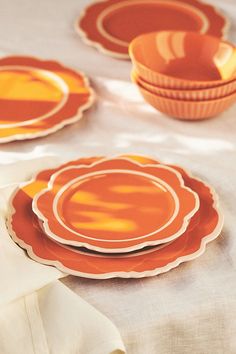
pixel 193 307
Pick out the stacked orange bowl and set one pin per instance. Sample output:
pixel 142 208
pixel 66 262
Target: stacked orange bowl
pixel 185 75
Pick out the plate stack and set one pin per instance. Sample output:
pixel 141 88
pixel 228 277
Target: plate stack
pixel 128 216
pixel 186 75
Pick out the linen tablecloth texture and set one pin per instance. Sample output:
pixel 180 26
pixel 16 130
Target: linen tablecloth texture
pixel 191 309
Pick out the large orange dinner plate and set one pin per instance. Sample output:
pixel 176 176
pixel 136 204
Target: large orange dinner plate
pixel 25 230
pixel 38 97
pixel 115 205
pixel 110 25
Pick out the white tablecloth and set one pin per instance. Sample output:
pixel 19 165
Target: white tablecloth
pixel 191 309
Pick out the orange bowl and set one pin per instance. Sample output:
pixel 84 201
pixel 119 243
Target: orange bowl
pixel 188 110
pixel 187 95
pixel 183 60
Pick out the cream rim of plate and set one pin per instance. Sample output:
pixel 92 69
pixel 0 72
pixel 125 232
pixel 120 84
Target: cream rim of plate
pixel 120 274
pixel 118 250
pixel 101 48
pixel 107 11
pixel 138 252
pixel 48 74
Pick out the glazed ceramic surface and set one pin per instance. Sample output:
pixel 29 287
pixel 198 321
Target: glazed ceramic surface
pixel 23 225
pixel 187 95
pixel 115 205
pixel 188 110
pixel 110 25
pixel 179 59
pixel 39 97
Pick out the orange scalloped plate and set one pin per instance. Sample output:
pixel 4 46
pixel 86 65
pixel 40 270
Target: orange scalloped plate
pixel 39 97
pixel 110 25
pixel 24 228
pixel 115 206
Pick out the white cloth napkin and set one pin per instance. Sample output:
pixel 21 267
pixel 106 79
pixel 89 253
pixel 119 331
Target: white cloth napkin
pixel 55 320
pixel 38 314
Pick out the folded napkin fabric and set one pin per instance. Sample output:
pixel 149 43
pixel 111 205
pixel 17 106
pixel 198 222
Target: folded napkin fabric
pixel 39 314
pixel 55 320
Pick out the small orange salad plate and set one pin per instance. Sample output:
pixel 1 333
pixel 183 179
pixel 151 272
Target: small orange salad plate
pixel 25 230
pixel 38 97
pixel 183 60
pixel 115 206
pixel 111 25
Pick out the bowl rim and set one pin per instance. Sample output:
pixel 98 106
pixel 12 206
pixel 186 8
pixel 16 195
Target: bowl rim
pixel 169 77
pixel 137 77
pixel 194 102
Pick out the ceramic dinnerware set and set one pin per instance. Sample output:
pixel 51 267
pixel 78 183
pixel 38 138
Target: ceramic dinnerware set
pixel 127 216
pixel 182 65
pixel 187 72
